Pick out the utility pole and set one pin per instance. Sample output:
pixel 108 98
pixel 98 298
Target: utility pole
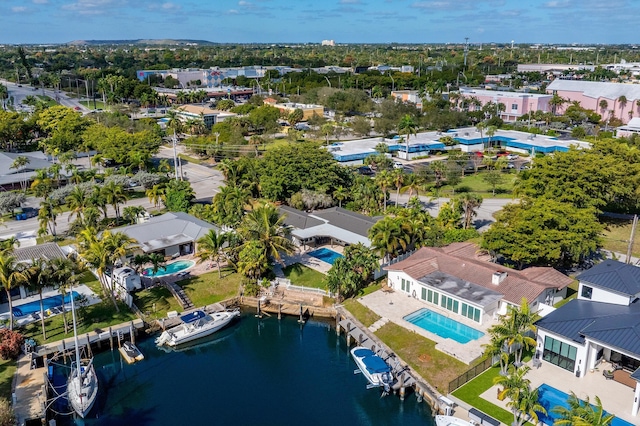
pixel 175 154
pixel 466 50
pixel 633 233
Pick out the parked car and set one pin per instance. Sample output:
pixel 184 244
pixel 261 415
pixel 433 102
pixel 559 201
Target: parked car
pixel 397 165
pixel 512 157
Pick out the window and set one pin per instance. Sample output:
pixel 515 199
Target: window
pixel 514 107
pixel 586 292
pixel 403 284
pixel 429 296
pixel 423 296
pixel 559 353
pixel 435 297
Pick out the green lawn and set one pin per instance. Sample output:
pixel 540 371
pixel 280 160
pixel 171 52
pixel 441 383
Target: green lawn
pixel 363 314
pixel 156 302
pixel 49 101
pixel 306 277
pixel 470 393
pixel 422 356
pixel 91 105
pixel 616 237
pixel 208 288
pixel 7 370
pixel 475 183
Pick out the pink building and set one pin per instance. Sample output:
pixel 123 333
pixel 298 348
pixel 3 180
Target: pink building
pixel 607 99
pixel 516 104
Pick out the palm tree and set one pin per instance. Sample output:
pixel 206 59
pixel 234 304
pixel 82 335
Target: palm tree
pixel 603 104
pixel 39 277
pixel 622 101
pixel 398 177
pixel 384 180
pixel 516 329
pixel 495 349
pixel 47 216
pixel 389 236
pixel 138 261
pixel 12 275
pixel 341 193
pixel 513 383
pixel 155 194
pixel 407 127
pixel 527 406
pixel 21 162
pixel 130 213
pixel 470 203
pixel 265 226
pixel 41 184
pixel 413 184
pixel 556 101
pixel 157 262
pixel 114 195
pixel 481 126
pixel 63 273
pixel 582 413
pixel 78 200
pixel 210 248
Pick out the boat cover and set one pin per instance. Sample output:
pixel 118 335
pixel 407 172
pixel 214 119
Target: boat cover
pixel 372 362
pixel 192 316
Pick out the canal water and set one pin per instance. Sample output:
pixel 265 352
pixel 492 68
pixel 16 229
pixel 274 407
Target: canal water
pixel 266 372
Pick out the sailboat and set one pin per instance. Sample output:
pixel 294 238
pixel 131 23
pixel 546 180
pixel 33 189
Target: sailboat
pixel 82 386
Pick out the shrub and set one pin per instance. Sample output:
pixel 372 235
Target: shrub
pixel 7 416
pixel 10 344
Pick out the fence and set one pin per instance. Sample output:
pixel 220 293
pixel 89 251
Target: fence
pixel 309 290
pixel 470 374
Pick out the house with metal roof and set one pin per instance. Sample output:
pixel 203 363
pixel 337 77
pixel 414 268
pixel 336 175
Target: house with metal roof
pixel 463 281
pixel 171 234
pixel 11 178
pixel 599 329
pixel 334 225
pixel 46 251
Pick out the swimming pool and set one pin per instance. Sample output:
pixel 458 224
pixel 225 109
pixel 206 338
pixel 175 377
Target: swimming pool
pixel 169 269
pixel 47 303
pixel 325 255
pixel 550 397
pixel 443 326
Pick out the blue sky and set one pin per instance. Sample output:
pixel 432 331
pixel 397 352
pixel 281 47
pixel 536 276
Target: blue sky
pixel 345 21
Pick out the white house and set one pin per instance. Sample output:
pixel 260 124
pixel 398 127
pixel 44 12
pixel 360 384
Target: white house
pixel 602 326
pixel 463 280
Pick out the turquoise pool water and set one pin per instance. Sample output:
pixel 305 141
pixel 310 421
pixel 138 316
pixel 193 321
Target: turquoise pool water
pixel 47 303
pixel 325 255
pixel 443 326
pixel 169 269
pixel 550 397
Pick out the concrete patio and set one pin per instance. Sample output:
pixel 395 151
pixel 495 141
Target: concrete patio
pixel 394 306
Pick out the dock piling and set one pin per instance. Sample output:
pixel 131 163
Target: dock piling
pixel 132 333
pixel 111 339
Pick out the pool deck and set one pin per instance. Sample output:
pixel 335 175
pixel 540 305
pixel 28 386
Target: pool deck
pixel 314 263
pixel 395 305
pixel 92 299
pixel 616 398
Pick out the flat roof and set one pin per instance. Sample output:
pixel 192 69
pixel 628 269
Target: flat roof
pixel 359 149
pixel 500 93
pixel 516 139
pixel 466 290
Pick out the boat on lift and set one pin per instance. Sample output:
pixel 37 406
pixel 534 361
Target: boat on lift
pixel 195 325
pixel 374 368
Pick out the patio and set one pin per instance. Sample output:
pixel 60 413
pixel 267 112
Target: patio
pixel 616 398
pixel 396 305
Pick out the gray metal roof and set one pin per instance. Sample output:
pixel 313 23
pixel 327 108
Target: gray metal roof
pixel 46 251
pixel 466 290
pixel 37 160
pixel 346 219
pixel 597 89
pixel 168 230
pixel 615 326
pixel 613 275
pixel 636 375
pixel 298 219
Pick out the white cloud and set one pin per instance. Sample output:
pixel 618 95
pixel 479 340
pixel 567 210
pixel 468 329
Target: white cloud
pixel 18 9
pixel 40 1
pixel 350 2
pixel 91 7
pixel 555 4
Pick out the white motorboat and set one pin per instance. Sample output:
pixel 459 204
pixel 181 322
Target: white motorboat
pixel 453 421
pixel 82 385
pixel 374 368
pixel 196 325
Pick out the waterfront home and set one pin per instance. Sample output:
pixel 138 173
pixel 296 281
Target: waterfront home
pixel 171 234
pixel 463 281
pixel 599 330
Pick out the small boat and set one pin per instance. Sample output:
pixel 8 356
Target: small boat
pixel 196 325
pixel 130 352
pixel 453 421
pixel 374 368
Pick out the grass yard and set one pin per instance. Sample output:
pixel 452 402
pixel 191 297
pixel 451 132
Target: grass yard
pixel 48 101
pixel 475 183
pixel 363 314
pixel 94 105
pixel 208 288
pixel 421 355
pixel 616 237
pixel 90 318
pixel 156 302
pixel 470 393
pixel 7 370
pixel 305 277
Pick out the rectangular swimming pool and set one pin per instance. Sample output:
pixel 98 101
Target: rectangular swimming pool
pixel 550 397
pixel 443 326
pixel 325 255
pixel 47 303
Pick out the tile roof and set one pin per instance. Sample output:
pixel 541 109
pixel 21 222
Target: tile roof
pixel 612 325
pixel 464 261
pixel 613 275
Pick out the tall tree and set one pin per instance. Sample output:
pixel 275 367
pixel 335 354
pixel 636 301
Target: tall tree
pixel 12 275
pixel 390 236
pixel 210 248
pixel 265 225
pixel 407 126
pixel 470 203
pixel 21 162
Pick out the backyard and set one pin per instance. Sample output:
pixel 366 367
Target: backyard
pixel 305 277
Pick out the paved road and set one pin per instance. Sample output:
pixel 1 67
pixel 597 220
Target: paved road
pixel 24 90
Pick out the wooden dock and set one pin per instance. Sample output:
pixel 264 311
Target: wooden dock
pixel 359 335
pixel 30 384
